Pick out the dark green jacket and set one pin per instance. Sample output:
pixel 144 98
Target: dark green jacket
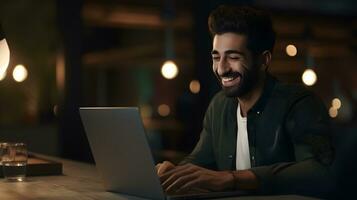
pixel 289 140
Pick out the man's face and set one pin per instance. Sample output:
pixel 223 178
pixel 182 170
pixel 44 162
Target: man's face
pixel 233 64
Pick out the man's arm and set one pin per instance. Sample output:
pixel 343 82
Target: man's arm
pixel 307 124
pixel 195 171
pixel 203 153
pixel 308 127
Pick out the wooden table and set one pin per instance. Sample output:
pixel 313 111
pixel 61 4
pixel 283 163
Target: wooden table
pixel 79 182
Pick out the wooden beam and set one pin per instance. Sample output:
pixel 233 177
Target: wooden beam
pixel 320 28
pixel 148 62
pixel 136 54
pixel 119 55
pixel 131 17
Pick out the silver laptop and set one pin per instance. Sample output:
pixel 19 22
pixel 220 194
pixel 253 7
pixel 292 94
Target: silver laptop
pixel 122 154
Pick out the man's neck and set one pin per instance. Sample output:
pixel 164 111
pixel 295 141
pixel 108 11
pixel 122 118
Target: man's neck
pixel 247 101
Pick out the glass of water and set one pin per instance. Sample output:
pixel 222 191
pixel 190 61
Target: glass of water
pixel 14 161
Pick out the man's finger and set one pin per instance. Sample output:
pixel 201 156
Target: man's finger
pixel 174 176
pixel 193 184
pixel 178 183
pixel 164 167
pixel 169 180
pixel 158 166
pixel 177 169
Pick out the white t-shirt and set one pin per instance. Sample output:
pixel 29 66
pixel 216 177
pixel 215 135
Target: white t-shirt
pixel 242 154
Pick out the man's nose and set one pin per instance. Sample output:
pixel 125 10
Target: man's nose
pixel 222 67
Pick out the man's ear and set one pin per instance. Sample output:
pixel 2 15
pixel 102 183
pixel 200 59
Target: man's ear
pixel 266 59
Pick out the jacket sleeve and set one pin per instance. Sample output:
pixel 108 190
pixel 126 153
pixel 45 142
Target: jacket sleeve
pixel 307 124
pixel 202 154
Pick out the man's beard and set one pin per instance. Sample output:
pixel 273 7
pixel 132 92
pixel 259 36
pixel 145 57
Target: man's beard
pixel 248 80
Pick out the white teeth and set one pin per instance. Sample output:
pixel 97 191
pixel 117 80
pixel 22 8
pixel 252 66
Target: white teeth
pixel 227 78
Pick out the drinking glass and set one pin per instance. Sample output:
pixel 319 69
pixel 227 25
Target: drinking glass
pixel 14 161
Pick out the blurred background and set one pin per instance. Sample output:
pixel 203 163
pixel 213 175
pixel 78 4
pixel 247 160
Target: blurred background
pixel 155 54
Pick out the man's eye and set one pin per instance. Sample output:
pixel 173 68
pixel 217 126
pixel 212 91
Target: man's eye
pixel 234 58
pixel 215 58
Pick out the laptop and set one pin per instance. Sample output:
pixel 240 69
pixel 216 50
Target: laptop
pixel 122 154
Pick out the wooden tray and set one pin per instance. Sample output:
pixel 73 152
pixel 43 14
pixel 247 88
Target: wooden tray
pixel 37 166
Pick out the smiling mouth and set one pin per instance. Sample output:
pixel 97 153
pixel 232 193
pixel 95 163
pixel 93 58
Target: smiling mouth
pixel 230 81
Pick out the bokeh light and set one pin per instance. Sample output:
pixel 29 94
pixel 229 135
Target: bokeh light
pixel 4 58
pixel 309 77
pixel 20 73
pixel 163 110
pixel 336 103
pixel 195 86
pixel 2 76
pixel 333 112
pixel 169 70
pixel 291 50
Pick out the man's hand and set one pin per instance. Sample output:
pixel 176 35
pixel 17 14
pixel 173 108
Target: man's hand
pixel 164 167
pixel 191 178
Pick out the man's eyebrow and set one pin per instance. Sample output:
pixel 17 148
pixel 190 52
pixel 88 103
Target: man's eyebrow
pixel 234 52
pixel 214 52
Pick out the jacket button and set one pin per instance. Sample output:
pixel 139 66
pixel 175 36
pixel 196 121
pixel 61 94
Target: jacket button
pixel 258 112
pixel 230 156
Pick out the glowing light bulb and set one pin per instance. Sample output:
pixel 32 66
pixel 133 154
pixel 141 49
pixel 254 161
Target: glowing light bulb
pixel 291 50
pixel 2 76
pixel 333 112
pixel 163 110
pixel 195 86
pixel 336 103
pixel 169 70
pixel 309 77
pixel 20 73
pixel 4 58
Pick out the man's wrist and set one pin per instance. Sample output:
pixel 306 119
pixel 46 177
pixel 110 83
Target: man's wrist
pixel 238 180
pixel 245 180
pixel 228 182
pixel 233 182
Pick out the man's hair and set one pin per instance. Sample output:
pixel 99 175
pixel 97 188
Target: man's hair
pixel 255 24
